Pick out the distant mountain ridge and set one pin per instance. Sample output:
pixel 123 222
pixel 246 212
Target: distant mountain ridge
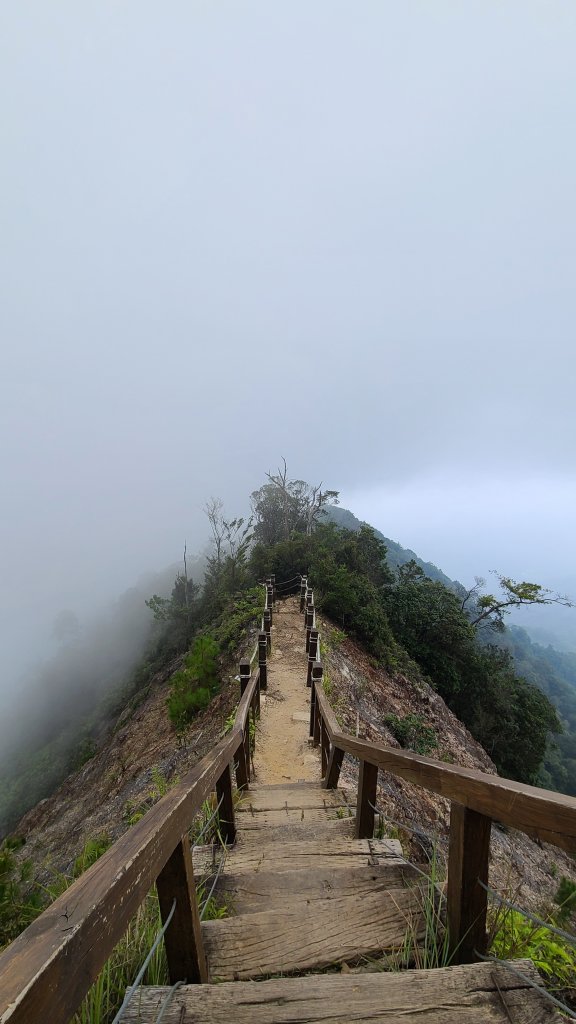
pixel 396 554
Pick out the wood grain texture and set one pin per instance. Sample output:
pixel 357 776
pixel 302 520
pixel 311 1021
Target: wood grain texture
pixel 268 798
pixel 456 995
pixel 272 835
pixel 273 890
pixel 306 937
pixel 292 855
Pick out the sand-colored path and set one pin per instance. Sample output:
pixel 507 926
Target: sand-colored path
pixel 283 753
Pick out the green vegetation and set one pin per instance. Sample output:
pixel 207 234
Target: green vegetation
pixel 412 732
pixel 516 937
pixel 193 687
pixel 20 898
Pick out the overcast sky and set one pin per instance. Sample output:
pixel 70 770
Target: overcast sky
pixel 339 232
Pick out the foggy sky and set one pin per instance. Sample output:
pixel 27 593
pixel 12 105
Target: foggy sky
pixel 337 232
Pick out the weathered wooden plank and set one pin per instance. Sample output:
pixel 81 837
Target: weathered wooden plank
pixel 268 798
pixel 475 994
pixel 306 937
pixel 293 854
pixel 273 890
pixel 325 829
pixel 247 819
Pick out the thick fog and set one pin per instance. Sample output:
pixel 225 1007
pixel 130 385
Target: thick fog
pixel 340 233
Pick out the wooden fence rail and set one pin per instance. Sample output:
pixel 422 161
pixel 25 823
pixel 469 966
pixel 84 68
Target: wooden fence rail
pixel 476 800
pixel 46 972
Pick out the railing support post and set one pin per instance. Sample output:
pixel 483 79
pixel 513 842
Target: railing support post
pixel 303 589
pixel 242 769
pixel 226 812
pixel 269 600
pixel 333 770
pixel 316 681
pixel 244 675
pixel 468 856
pixel 366 802
pixel 262 651
pixel 273 582
pixel 183 938
pixel 312 654
pixel 268 627
pixel 324 748
pixel 309 624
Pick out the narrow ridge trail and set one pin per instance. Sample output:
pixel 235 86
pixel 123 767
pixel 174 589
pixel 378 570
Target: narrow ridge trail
pixel 283 753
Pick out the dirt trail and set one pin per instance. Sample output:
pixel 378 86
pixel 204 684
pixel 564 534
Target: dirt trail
pixel 282 751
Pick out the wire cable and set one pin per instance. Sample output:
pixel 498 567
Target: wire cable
pixel 168 1000
pixel 527 913
pixel 213 886
pixel 208 823
pixel 142 971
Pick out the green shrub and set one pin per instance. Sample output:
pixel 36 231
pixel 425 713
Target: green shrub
pixel 20 898
pixel 519 938
pixel 411 731
pixel 194 685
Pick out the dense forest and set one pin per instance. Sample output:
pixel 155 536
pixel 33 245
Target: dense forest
pixel 517 698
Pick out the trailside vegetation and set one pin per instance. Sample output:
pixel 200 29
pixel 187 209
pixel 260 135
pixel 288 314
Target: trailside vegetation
pixel 409 622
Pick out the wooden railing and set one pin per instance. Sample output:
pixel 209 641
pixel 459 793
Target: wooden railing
pixel 476 800
pixel 46 972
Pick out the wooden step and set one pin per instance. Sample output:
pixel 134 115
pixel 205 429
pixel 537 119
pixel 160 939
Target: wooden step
pixel 325 828
pixel 266 798
pixel 290 855
pixel 249 818
pixel 474 994
pixel 307 936
pixel 274 890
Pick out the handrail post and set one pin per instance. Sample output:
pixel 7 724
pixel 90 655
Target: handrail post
pixel 183 938
pixel 269 600
pixel 273 583
pixel 316 681
pixel 226 805
pixel 366 802
pixel 312 654
pixel 333 769
pixel 268 627
pixel 313 703
pixel 468 856
pixel 309 624
pixel 241 768
pixel 303 589
pixel 262 651
pixel 324 748
pixel 244 676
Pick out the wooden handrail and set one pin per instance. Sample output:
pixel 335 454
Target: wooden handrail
pixel 46 972
pixel 537 812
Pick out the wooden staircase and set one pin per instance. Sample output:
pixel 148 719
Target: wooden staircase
pixel 305 896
